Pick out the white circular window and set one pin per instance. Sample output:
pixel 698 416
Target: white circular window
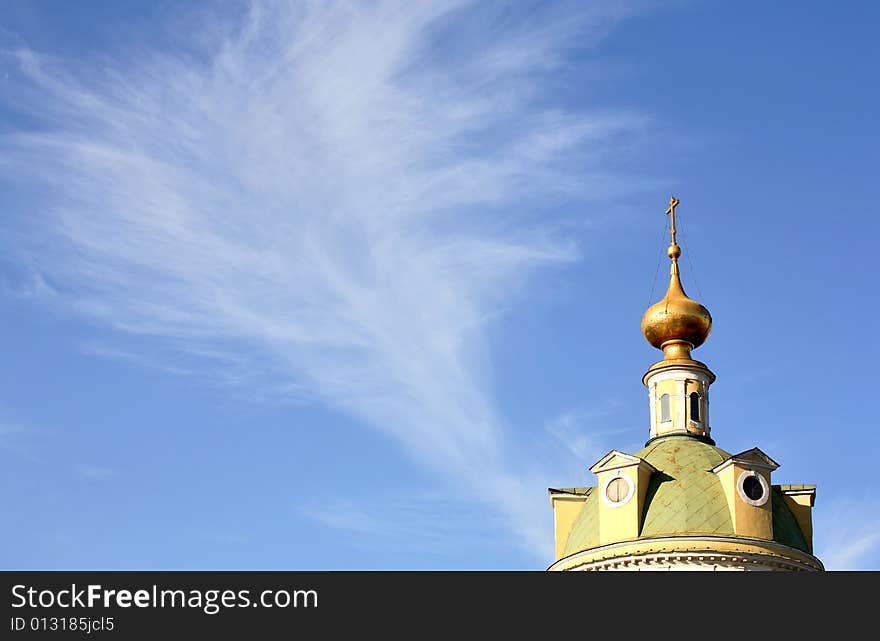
pixel 752 488
pixel 618 490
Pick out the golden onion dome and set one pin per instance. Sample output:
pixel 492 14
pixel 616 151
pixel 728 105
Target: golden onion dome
pixel 676 324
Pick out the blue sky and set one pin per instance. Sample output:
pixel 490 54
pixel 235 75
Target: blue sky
pixel 348 286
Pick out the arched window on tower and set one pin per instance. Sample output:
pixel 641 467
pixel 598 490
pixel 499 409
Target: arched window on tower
pixel 695 406
pixel 665 412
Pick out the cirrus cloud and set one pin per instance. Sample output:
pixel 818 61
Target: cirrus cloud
pixel 342 197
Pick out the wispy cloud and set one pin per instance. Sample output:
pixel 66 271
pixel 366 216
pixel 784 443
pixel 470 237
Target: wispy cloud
pixel 426 523
pixel 341 196
pixel 94 472
pixel 583 432
pixel 848 534
pixel 21 440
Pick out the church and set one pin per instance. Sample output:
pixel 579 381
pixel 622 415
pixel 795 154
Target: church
pixel 681 502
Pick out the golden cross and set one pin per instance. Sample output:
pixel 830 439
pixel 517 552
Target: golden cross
pixel 673 203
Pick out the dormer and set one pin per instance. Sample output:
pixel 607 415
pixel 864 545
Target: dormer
pixel 745 478
pixel 623 482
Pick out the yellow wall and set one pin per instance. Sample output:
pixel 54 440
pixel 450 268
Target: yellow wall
pixel 565 511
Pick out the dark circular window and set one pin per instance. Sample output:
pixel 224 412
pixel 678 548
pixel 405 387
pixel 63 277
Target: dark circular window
pixel 616 490
pixel 752 488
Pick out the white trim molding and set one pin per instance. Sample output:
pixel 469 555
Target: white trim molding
pixel 691 552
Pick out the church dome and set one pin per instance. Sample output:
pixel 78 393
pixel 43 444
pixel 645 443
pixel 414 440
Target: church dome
pixel 684 498
pixel 680 503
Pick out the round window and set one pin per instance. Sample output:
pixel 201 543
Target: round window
pixel 753 489
pixel 618 490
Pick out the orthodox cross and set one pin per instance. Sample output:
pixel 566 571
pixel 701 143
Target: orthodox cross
pixel 673 203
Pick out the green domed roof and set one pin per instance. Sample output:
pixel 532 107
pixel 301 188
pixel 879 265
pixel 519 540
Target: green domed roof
pixel 684 497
